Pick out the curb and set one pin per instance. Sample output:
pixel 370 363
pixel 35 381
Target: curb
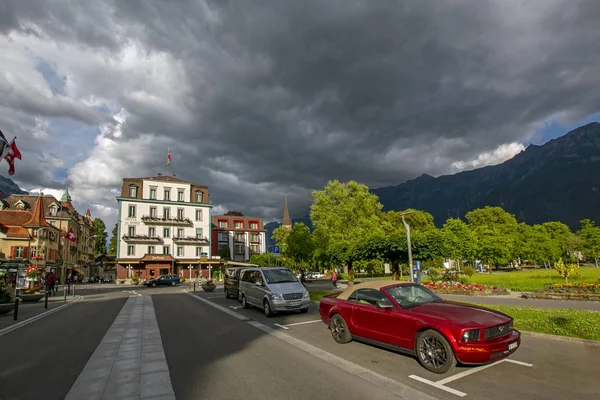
pixel 564 339
pixel 21 324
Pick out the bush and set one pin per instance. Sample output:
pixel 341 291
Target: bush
pixel 450 275
pixel 5 296
pixel 433 274
pixel 463 280
pixel 566 270
pixel 468 271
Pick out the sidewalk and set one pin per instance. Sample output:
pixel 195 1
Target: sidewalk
pixel 29 310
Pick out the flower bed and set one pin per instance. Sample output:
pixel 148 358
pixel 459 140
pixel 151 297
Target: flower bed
pixel 568 291
pixel 469 289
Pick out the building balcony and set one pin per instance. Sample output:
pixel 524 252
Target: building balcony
pixel 197 240
pixel 148 220
pixel 142 239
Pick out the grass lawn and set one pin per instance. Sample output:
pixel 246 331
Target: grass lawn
pixel 530 280
pixel 317 295
pixel 554 321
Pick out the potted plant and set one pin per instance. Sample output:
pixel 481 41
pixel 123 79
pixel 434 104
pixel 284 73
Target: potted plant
pixel 32 294
pixel 208 286
pixel 6 302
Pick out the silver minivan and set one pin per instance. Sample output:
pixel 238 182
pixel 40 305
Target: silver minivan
pixel 273 290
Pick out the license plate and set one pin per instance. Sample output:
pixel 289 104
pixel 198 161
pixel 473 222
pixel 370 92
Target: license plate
pixel 294 303
pixel 513 345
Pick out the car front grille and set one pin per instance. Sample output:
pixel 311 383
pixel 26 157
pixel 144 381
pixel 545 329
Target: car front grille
pixel 292 296
pixel 497 331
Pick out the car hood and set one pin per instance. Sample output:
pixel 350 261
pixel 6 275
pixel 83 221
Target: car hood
pixel 287 287
pixel 462 314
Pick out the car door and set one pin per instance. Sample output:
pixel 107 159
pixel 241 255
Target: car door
pixel 250 289
pixel 372 322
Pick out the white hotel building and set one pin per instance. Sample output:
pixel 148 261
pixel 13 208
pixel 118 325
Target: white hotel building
pixel 164 227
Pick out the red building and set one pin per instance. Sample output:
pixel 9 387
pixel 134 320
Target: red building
pixel 242 235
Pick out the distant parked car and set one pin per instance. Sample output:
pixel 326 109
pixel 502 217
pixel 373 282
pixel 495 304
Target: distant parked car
pixel 410 318
pixel 107 279
pixel 163 280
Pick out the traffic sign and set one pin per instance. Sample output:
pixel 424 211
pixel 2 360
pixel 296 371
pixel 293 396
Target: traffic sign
pixel 276 251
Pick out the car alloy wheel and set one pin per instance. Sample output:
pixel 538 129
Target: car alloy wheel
pixel 339 329
pixel 267 308
pixel 153 284
pixel 434 352
pixel 244 302
pixel 173 283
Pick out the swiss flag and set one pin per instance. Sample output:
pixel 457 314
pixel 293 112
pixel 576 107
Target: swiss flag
pixel 71 236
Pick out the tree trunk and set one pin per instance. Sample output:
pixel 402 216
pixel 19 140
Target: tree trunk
pixel 395 268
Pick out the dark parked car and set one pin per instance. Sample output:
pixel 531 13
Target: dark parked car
pixel 410 318
pixel 163 280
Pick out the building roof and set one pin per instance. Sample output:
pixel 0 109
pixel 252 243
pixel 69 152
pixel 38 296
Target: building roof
pixel 64 209
pixel 37 218
pixel 12 221
pixel 167 178
pixel 345 295
pixel 287 221
pixel 66 197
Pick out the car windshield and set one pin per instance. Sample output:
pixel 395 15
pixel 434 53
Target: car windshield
pixel 412 295
pixel 279 276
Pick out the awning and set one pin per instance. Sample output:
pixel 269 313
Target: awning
pixel 13 266
pixel 79 270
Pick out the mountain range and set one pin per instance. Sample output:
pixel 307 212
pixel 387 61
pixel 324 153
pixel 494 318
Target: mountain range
pixel 8 187
pixel 558 181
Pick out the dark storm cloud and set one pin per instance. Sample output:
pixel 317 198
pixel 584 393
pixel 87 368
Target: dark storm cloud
pixel 289 93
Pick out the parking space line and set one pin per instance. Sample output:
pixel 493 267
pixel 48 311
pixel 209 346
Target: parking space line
pixel 302 323
pixel 235 307
pixel 468 372
pixel 518 362
pixel 282 326
pixel 438 385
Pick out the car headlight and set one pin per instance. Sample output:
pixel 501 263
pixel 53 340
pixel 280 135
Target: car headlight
pixel 306 295
pixel 471 335
pixel 275 296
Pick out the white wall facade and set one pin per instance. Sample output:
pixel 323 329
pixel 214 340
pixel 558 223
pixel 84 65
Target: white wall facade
pixel 145 207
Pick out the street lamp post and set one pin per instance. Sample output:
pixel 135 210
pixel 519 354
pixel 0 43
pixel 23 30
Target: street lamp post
pixel 86 245
pixel 407 228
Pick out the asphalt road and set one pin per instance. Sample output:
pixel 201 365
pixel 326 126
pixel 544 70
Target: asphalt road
pixel 559 370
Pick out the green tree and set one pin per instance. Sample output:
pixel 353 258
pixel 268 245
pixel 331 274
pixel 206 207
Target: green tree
pixel 280 236
pixel 419 221
pixel 114 239
pixel 300 246
pixel 343 215
pixel 566 270
pixel 561 239
pixel 496 231
pixel 590 236
pixel 225 253
pixel 458 240
pixel 101 236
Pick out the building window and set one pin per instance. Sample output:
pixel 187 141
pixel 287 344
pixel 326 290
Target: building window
pixel 253 225
pixel 180 195
pixel 131 250
pixel 33 251
pixel 198 251
pixel 166 232
pixel 19 252
pixel 152 193
pixel 180 232
pixel 165 249
pixel 180 213
pixel 254 237
pixel 131 213
pixel 151 231
pixel 53 211
pixel 150 249
pixel 239 237
pixel 167 194
pixel 238 248
pixel 199 233
pixel 254 248
pixel 34 232
pixel 132 191
pixel 198 214
pixel 152 212
pixel 222 224
pixel 131 231
pixel 179 251
pixel 223 236
pixel 166 213
pixel 198 197
pixel 237 224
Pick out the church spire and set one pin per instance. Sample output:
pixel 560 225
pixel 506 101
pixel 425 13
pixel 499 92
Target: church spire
pixel 287 221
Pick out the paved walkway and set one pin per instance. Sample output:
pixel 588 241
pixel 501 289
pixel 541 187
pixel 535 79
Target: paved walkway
pixel 129 362
pixel 29 310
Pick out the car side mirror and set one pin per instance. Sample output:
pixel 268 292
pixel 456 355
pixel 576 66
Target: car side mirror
pixel 383 305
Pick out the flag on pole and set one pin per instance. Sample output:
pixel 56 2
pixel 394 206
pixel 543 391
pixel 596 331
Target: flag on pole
pixel 169 157
pixel 71 236
pixel 9 151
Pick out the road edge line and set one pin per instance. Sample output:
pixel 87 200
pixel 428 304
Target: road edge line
pixel 566 339
pixel 28 321
pixel 385 383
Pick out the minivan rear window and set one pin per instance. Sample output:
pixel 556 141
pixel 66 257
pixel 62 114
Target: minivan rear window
pixel 279 276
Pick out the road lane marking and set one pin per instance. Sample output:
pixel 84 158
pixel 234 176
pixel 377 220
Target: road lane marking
pixel 518 362
pixel 37 317
pixel 441 384
pixel 302 323
pixel 438 385
pixel 282 326
pixel 399 389
pixel 235 307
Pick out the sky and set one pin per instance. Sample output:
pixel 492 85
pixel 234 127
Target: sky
pixel 262 99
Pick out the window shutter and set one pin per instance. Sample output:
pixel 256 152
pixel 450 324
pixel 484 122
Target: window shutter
pixel 12 251
pixel 25 252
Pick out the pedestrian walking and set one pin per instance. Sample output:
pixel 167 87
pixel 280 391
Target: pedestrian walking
pixel 334 279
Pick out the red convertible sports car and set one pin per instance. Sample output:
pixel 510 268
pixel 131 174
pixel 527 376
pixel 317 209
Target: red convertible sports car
pixel 410 318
